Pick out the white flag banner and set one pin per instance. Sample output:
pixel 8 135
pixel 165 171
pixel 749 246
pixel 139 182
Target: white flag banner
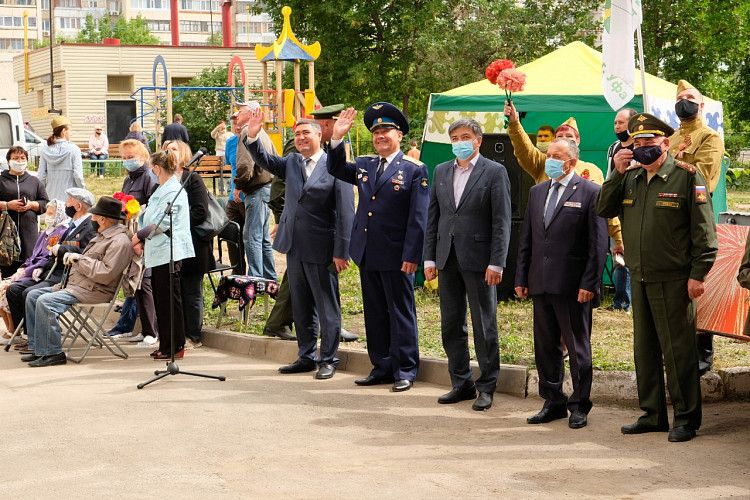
pixel 621 19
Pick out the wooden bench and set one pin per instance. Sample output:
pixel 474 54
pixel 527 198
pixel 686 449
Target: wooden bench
pixel 114 150
pixel 214 168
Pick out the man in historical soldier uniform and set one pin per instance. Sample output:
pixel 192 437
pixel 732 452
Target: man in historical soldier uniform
pixel 387 238
pixel 697 144
pixel 668 228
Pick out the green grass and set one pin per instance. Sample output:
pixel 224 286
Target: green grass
pixel 612 335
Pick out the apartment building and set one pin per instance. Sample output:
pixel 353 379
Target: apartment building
pixel 199 19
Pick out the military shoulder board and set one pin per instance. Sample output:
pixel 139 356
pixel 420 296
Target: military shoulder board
pixel 412 160
pixel 685 166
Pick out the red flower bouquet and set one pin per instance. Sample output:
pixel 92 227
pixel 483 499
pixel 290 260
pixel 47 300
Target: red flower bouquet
pixel 505 75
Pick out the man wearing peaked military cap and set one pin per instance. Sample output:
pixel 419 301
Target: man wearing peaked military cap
pixel 387 238
pixel 697 144
pixel 326 117
pixel 668 229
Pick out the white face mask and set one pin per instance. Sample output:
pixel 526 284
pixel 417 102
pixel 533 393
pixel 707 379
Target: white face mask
pixel 17 165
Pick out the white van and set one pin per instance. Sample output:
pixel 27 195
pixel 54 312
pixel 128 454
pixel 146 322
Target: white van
pixel 11 129
pixel 34 145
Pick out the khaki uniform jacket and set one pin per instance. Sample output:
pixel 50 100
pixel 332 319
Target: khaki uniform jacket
pixel 699 145
pixel 667 224
pixel 94 278
pixel 532 161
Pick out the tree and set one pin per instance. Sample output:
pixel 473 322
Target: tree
pixel 401 51
pixel 215 40
pixel 203 110
pixel 130 32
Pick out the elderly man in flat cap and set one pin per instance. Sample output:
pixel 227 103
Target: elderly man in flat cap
pixel 93 279
pixel 78 235
pixel 387 239
pixel 668 227
pixel 697 144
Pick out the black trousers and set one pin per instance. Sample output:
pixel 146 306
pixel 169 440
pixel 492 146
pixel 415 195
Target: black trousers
pixel 160 282
pixel 236 213
pixel 555 316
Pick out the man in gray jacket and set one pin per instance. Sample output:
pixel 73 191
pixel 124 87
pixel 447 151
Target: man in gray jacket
pixel 93 279
pixel 468 232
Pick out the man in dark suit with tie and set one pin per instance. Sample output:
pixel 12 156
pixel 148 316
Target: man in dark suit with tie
pixel 468 232
pixel 561 253
pixel 387 239
pixel 74 239
pixel 314 233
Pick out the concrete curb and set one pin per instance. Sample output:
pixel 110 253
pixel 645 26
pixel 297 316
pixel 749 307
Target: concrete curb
pixel 611 386
pixel 513 378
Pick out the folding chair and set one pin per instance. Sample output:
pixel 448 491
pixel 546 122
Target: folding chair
pixel 79 321
pixel 17 331
pixel 230 236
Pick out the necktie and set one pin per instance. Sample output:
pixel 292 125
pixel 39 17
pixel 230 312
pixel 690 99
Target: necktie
pixel 71 228
pixel 381 168
pixel 551 204
pixel 307 165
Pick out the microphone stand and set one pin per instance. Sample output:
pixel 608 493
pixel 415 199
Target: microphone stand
pixel 172 367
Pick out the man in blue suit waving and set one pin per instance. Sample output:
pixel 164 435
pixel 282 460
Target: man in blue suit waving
pixel 387 239
pixel 314 233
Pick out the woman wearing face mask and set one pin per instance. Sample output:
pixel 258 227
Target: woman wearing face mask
pixel 23 197
pixel 154 245
pixel 193 269
pixel 55 223
pixel 141 184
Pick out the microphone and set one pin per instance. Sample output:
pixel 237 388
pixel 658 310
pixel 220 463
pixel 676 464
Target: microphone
pixel 196 157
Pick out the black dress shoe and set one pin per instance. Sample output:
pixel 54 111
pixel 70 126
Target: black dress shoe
pixel 402 385
pixel 347 336
pixel 640 428
pixel 284 334
pixel 325 371
pixel 26 358
pixel 299 366
pixel 374 380
pixel 457 395
pixel 577 420
pixel 548 415
pixel 51 360
pixel 681 434
pixel 483 402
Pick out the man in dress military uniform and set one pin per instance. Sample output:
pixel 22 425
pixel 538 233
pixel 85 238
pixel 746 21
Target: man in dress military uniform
pixel 387 238
pixel 668 228
pixel 697 144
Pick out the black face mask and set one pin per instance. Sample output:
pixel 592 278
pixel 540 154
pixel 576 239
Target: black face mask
pixel 685 109
pixel 70 211
pixel 623 136
pixel 647 155
pixel 95 225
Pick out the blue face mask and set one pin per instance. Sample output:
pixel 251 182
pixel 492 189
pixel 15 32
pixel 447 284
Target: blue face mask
pixel 131 164
pixel 553 168
pixel 463 149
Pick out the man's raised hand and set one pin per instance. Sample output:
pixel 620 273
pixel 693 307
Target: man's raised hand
pixel 343 124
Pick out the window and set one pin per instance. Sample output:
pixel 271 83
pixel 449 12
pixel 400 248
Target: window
pixel 68 22
pixel 180 80
pixel 120 84
pixel 6 131
pixel 198 27
pixel 150 4
pixel 68 3
pixel 158 25
pixel 11 43
pixel 39 98
pixel 200 5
